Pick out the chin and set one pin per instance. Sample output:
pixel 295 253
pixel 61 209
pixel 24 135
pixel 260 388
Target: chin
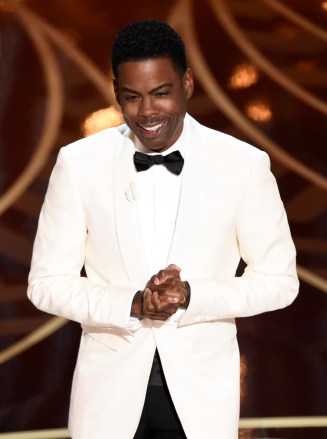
pixel 152 147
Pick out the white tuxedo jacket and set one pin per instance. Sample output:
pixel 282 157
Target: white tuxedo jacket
pixel 229 208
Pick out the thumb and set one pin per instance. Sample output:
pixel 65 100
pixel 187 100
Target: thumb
pixel 173 267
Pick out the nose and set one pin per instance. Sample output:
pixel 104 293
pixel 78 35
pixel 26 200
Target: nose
pixel 147 107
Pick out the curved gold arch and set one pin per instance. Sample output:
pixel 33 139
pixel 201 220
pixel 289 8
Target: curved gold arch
pixel 312 279
pixel 92 72
pixel 32 339
pixel 226 20
pixel 217 95
pixel 37 28
pixel 298 19
pixel 53 113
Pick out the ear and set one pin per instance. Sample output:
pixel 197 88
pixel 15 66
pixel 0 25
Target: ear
pixel 188 83
pixel 116 90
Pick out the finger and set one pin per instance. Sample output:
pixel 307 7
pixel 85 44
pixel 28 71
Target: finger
pixel 161 277
pixel 156 302
pixel 147 294
pixel 147 301
pixel 156 281
pixel 172 288
pixel 164 275
pixel 162 296
pixel 165 307
pixel 173 267
pixel 161 314
pixel 159 305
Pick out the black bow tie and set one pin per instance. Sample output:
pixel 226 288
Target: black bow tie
pixel 174 161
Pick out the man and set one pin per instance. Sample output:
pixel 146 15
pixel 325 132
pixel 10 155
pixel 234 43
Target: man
pixel 160 247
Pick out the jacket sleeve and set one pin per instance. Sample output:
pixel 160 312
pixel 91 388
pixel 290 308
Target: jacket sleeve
pixel 270 281
pixel 55 284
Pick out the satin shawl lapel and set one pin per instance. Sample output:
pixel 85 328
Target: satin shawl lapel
pixel 127 222
pixel 191 197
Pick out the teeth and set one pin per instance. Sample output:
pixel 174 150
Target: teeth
pixel 152 128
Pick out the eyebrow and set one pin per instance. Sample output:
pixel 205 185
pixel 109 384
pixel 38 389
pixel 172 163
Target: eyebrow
pixel 154 90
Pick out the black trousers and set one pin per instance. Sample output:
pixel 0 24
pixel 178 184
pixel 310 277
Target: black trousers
pixel 159 419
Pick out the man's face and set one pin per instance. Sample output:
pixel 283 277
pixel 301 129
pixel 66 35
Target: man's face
pixel 153 98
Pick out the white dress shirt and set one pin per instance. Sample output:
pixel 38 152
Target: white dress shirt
pixel 158 192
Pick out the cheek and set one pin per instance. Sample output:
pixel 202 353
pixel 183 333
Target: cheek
pixel 128 112
pixel 177 106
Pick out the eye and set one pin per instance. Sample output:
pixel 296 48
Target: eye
pixel 131 98
pixel 161 94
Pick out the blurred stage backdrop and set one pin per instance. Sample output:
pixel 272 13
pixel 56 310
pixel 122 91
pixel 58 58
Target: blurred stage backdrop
pixel 261 75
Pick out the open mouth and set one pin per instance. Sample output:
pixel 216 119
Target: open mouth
pixel 151 132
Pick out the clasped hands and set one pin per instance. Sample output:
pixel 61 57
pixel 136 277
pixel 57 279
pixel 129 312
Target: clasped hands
pixel 164 293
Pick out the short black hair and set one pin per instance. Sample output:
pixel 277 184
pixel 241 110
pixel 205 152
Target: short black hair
pixel 148 39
